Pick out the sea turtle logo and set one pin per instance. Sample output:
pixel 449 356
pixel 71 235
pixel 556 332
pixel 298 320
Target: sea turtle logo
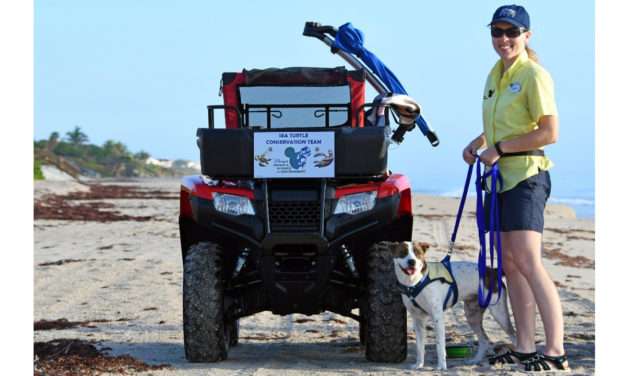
pixel 514 87
pixel 297 158
pixel 263 158
pixel 326 159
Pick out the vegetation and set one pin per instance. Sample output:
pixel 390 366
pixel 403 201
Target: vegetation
pixel 38 174
pixel 75 155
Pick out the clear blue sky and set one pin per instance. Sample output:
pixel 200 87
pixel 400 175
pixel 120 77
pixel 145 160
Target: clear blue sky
pixel 142 72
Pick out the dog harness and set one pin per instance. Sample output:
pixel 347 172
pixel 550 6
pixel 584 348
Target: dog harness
pixel 436 271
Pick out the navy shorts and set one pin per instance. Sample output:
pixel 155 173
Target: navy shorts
pixel 522 207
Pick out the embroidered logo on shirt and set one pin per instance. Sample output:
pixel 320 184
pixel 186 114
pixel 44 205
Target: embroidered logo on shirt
pixel 514 87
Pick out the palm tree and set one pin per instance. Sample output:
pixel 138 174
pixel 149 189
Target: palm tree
pixel 53 141
pixel 76 137
pixel 141 155
pixel 115 149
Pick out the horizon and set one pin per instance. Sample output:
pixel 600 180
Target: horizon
pixel 142 73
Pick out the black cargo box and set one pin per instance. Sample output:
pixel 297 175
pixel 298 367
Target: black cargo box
pixel 228 153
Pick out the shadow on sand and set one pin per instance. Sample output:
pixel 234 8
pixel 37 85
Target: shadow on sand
pixel 282 355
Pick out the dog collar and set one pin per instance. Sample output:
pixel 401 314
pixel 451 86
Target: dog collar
pixel 413 291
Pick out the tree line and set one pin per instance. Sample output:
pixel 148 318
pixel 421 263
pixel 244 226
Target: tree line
pixel 74 154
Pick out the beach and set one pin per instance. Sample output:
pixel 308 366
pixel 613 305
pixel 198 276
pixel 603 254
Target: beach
pixel 108 274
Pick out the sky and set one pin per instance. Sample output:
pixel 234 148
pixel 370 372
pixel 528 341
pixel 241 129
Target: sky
pixel 142 72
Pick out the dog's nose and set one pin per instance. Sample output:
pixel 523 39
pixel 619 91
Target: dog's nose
pixel 411 262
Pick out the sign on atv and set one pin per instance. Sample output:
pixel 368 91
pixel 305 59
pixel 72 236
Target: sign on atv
pixel 294 154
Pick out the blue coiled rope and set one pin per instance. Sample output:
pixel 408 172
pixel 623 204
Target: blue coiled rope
pixel 494 230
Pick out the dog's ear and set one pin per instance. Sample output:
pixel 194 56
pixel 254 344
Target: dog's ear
pixel 395 249
pixel 420 247
pixel 399 250
pixel 424 246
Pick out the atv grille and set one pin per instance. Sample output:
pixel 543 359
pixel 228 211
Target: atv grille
pixel 295 216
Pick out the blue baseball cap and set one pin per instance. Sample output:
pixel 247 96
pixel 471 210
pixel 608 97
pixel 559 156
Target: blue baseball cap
pixel 512 14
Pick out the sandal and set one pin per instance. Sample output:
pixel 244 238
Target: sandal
pixel 509 356
pixel 542 362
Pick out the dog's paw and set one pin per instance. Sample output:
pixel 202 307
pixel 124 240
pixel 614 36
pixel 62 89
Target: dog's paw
pixel 417 365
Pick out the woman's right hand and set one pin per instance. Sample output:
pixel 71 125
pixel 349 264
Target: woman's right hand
pixel 469 154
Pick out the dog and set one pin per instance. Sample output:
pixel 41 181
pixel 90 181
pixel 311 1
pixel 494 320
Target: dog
pixel 458 280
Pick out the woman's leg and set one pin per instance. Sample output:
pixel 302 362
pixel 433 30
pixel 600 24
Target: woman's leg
pixel 527 255
pixel 521 297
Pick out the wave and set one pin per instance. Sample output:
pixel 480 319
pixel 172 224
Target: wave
pixel 458 192
pixel 584 207
pixel 579 201
pixel 572 201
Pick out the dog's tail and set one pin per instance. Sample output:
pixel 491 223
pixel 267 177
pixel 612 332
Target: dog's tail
pixel 490 280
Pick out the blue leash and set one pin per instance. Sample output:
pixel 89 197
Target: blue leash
pixel 494 230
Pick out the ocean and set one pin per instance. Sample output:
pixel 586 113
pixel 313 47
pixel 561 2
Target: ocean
pixel 583 206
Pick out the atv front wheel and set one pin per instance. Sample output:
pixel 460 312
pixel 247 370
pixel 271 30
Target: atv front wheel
pixel 386 317
pixel 362 333
pixel 204 329
pixel 233 329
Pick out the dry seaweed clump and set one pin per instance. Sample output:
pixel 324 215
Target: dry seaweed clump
pixel 63 323
pixel 110 191
pixel 566 260
pixel 70 357
pixel 74 207
pixel 60 208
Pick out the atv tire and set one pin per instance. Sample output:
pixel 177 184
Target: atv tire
pixel 385 316
pixel 204 329
pixel 362 333
pixel 233 329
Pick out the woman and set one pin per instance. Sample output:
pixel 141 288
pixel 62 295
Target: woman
pixel 519 119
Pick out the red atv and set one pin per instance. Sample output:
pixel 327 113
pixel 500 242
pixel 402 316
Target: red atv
pixel 293 212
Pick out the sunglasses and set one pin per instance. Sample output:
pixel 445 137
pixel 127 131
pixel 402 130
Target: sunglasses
pixel 512 32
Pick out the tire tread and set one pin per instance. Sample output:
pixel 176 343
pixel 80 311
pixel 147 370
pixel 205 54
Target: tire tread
pixel 203 304
pixel 386 317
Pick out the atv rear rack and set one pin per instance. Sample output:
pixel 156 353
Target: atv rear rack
pixel 325 109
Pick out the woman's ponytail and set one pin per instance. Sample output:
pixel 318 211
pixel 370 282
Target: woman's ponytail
pixel 532 54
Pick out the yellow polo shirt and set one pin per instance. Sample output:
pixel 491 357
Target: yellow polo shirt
pixel 512 106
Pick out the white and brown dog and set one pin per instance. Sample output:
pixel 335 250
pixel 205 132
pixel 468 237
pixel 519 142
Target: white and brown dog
pixel 428 288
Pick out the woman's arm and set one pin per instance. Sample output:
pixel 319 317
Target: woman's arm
pixel 546 134
pixel 471 149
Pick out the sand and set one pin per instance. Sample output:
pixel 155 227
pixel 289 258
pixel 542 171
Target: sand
pixel 122 280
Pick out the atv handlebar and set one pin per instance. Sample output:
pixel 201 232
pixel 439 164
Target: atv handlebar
pixel 314 29
pixel 433 138
pixel 400 131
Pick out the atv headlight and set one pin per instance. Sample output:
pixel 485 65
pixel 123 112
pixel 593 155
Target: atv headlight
pixel 356 203
pixel 232 204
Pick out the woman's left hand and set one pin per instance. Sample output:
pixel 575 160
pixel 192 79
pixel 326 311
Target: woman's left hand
pixel 489 156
